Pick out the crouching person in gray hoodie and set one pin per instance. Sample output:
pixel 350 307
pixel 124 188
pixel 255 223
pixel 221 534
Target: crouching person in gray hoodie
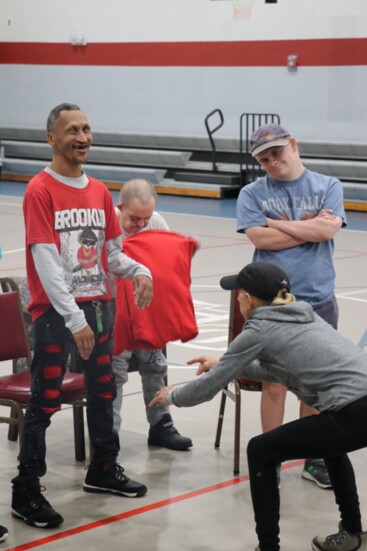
pixel 284 341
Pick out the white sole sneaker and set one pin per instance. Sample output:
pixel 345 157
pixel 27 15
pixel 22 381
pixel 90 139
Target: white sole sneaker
pixel 308 476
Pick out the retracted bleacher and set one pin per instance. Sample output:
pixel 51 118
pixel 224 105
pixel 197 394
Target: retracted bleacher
pixel 180 164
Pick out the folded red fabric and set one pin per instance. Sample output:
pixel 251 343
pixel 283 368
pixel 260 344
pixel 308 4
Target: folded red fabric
pixel 171 314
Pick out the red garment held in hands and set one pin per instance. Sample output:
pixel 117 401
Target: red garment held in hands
pixel 171 315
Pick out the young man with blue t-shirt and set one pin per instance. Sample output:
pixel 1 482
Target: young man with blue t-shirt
pixel 291 216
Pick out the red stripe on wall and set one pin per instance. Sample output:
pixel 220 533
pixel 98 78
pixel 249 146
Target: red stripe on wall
pixel 271 53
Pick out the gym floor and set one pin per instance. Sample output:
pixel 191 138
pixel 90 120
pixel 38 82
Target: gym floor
pixel 193 502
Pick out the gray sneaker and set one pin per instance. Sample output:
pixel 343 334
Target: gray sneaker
pixel 316 471
pixel 165 434
pixel 342 541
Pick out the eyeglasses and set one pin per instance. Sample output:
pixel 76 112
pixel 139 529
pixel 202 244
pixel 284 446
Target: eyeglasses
pixel 87 242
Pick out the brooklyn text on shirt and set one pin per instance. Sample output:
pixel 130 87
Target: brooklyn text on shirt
pixel 79 218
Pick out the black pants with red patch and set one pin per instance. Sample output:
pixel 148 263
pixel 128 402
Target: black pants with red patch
pixel 53 342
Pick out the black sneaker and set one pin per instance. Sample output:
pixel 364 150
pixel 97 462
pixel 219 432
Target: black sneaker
pixel 3 533
pixel 316 471
pixel 28 504
pixel 165 434
pixel 110 478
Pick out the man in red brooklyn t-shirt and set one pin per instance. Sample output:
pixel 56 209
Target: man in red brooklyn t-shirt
pixel 64 210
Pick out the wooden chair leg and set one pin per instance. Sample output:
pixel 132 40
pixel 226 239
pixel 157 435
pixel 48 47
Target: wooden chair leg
pixel 79 437
pixel 13 428
pixel 220 419
pixel 20 425
pixel 237 430
pixel 17 422
pixel 91 451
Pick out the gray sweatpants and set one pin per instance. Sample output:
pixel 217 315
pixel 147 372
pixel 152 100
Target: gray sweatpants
pixel 152 366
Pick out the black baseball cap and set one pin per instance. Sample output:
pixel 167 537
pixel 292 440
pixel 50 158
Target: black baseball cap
pixel 262 280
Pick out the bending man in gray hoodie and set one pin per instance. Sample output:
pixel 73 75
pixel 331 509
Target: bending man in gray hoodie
pixel 285 342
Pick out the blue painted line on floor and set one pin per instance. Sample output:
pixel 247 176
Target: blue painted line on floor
pixel 222 208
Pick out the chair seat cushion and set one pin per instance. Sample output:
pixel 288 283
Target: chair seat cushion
pixel 249 384
pixel 17 386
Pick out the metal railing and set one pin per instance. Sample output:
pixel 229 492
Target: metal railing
pixel 249 122
pixel 212 131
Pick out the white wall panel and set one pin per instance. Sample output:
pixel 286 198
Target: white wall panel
pixel 315 103
pixel 178 20
pixel 326 102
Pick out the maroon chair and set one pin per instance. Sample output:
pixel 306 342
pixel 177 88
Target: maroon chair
pixel 15 387
pixel 236 322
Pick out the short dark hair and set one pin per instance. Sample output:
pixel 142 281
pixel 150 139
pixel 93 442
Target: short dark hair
pixel 55 113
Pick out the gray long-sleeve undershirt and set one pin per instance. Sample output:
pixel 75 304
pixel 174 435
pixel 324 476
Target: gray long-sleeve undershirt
pixel 48 265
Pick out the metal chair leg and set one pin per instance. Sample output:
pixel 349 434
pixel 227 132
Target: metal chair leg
pixel 237 430
pixel 79 437
pixel 220 419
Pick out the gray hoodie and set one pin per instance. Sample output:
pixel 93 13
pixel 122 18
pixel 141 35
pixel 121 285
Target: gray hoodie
pixel 291 345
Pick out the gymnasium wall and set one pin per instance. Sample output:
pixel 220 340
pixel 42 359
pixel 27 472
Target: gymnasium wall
pixel 159 66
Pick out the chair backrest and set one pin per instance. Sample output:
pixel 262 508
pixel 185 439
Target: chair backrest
pixel 13 334
pixel 236 322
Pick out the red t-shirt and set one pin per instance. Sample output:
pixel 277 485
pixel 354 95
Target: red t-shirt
pixel 171 315
pixel 67 216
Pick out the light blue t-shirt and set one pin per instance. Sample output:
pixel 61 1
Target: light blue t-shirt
pixel 309 266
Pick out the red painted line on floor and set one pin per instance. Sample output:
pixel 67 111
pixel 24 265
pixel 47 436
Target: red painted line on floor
pixel 140 511
pixel 12 214
pixel 13 269
pixel 234 238
pixel 224 246
pixel 349 251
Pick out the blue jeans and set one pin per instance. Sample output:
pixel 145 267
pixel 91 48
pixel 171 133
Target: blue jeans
pixel 53 342
pixel 152 367
pixel 329 312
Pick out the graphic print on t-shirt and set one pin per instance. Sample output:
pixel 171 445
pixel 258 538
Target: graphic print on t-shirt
pixel 292 206
pixel 81 241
